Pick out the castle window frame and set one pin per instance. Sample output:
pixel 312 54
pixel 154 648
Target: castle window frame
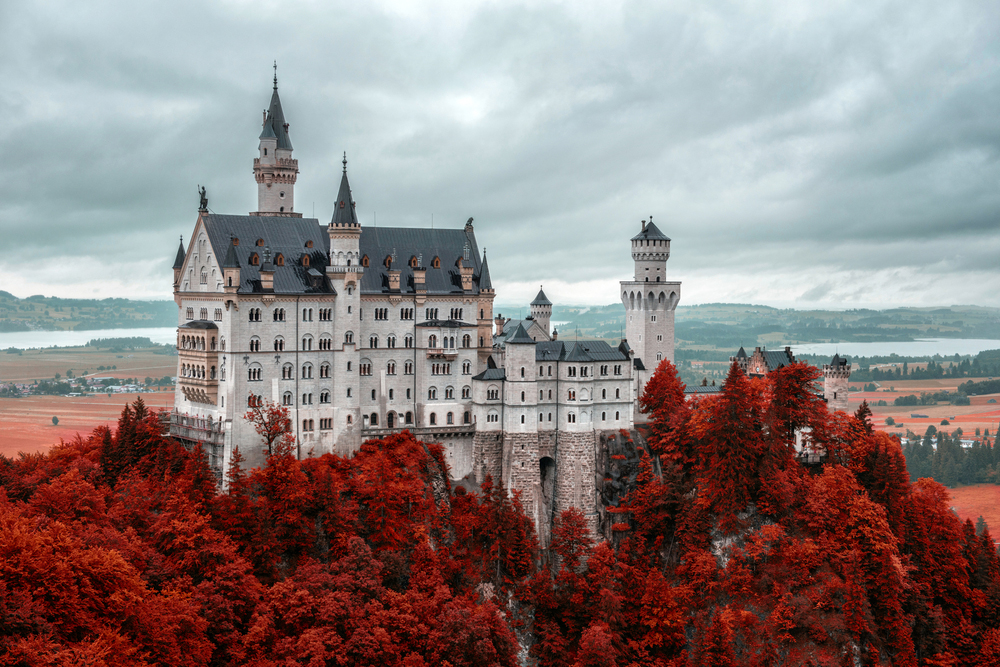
pixel 286 398
pixel 571 418
pixel 218 315
pixel 324 396
pixel 433 419
pixel 279 260
pixel 189 314
pixel 288 372
pixel 617 414
pixel 450 418
pixel 260 243
pixel 449 393
pixel 324 370
pixel 309 244
pixel 305 260
pixel 466 368
pixel 387 261
pixel 390 368
pixel 407 368
pixel 348 337
pixel 279 344
pixel 466 392
pixel 364 261
pixel 255 344
pixel 466 341
pixel 254 259
pixel 307 371
pixel 413 261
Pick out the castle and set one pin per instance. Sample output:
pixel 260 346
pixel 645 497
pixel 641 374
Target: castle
pixel 361 332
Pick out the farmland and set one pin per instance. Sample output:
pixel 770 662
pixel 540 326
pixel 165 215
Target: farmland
pixel 26 423
pixel 971 502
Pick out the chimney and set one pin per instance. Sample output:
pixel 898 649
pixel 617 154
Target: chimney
pixel 498 324
pixel 555 335
pixel 394 279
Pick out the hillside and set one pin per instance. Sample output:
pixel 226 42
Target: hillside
pixel 41 313
pixel 726 326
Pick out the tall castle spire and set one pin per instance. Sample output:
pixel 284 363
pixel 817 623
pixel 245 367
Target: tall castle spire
pixel 274 168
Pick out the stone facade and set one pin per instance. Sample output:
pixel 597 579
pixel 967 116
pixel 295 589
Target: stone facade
pixel 836 383
pixel 364 332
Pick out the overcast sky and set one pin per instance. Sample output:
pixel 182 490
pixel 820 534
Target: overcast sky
pixel 798 154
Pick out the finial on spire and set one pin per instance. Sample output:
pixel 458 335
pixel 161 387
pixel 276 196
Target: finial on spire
pixel 345 162
pixel 275 74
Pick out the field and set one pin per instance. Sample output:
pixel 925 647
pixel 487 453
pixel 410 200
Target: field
pixel 44 364
pixel 980 414
pixel 26 423
pixel 971 502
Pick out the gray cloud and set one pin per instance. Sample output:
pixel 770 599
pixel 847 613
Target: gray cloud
pixel 828 154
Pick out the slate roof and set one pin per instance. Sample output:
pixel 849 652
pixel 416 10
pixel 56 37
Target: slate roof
pixel 198 324
pixel 521 336
pixel 491 374
pixel 447 324
pixel 698 389
pixel 838 360
pixel 287 236
pixel 651 232
pixel 484 275
pixel 448 245
pixel 274 123
pixel 578 351
pixel 343 209
pixel 179 260
pixel 231 261
pixel 541 299
pixel 742 354
pixel 776 360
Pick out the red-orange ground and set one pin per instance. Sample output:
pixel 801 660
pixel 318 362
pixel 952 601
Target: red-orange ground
pixel 26 423
pixel 971 502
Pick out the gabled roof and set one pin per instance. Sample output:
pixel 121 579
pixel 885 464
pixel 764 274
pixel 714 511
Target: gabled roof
pixel 179 260
pixel 578 351
pixel 491 374
pixel 541 299
pixel 448 245
pixel 446 324
pixel 521 336
pixel 651 232
pixel 274 122
pixel 343 208
pixel 287 236
pixel 484 275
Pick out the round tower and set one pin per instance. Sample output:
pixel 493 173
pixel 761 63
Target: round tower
pixel 836 378
pixel 541 311
pixel 274 169
pixel 650 301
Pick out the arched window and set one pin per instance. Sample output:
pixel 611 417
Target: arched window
pixel 255 344
pixel 260 243
pixel 364 261
pixel 373 419
pixel 616 416
pixel 409 417
pixel 373 341
pixel 388 261
pixel 349 337
pixel 390 368
pixel 305 260
pixel 432 341
pixel 279 344
pixel 286 398
pixel 288 372
pixel 324 397
pixel 466 392
pixel 432 394
pixel 467 418
pixel 466 340
pixel 450 418
pixel 324 370
pixel 309 244
pixel 434 419
pixel 413 262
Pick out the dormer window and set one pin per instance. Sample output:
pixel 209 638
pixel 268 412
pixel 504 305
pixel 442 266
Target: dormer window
pixel 254 259
pixel 364 261
pixel 436 263
pixel 260 243
pixel 309 244
pixel 413 262
pixel 388 261
pixel 305 260
pixel 236 241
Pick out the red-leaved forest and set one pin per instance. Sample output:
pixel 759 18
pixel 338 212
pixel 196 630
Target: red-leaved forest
pixel 116 549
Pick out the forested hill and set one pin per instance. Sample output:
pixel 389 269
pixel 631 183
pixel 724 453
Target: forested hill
pixel 41 313
pixel 727 326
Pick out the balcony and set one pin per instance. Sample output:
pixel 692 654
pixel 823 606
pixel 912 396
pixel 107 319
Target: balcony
pixel 210 434
pixel 448 353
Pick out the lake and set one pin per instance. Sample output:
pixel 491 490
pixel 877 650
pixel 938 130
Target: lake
pixel 31 339
pixel 946 347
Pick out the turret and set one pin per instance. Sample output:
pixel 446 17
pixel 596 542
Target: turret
pixel 650 251
pixel 179 264
pixel 541 310
pixel 231 269
pixel 836 383
pixel 274 168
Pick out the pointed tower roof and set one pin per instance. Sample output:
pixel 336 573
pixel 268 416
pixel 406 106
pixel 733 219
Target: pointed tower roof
pixel 650 232
pixel 343 209
pixel 541 299
pixel 742 354
pixel 275 126
pixel 179 260
pixel 231 261
pixel 484 275
pixel 521 336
